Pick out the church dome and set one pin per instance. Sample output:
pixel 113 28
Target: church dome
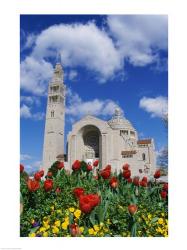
pixel 118 121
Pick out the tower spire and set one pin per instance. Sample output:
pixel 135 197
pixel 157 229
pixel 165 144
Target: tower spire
pixel 58 58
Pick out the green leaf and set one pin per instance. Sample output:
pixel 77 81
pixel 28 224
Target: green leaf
pixel 154 220
pixel 34 229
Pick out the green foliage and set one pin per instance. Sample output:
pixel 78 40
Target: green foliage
pixel 111 215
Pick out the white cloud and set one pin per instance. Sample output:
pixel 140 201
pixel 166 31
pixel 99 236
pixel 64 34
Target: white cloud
pixel 30 41
pixel 25 112
pixel 76 107
pixel 139 37
pixel 35 75
pixel 72 75
pixel 24 157
pixel 157 106
pixel 30 100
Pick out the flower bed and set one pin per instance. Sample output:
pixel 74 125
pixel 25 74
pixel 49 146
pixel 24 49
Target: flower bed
pixel 81 204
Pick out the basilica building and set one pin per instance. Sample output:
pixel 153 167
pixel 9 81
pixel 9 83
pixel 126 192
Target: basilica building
pixel 113 142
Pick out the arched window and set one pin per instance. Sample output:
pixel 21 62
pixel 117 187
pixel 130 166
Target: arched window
pixel 143 157
pixel 52 113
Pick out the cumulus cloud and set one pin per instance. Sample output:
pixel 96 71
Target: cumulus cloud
pixel 157 106
pixel 30 100
pixel 72 75
pixel 139 38
pixel 80 45
pixel 35 75
pixel 78 108
pixel 25 112
pixel 24 157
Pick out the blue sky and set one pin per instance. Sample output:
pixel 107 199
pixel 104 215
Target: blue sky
pixel 107 61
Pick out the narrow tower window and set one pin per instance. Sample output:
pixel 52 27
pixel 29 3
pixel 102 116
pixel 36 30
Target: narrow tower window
pixel 143 157
pixel 52 113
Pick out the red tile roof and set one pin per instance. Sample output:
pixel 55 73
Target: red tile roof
pixel 130 152
pixel 145 141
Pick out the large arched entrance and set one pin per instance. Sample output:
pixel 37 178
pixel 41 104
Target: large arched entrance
pixel 91 138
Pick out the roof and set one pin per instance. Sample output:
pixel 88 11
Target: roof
pixel 128 152
pixel 145 141
pixel 60 156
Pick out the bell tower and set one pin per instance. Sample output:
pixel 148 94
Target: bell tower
pixel 55 115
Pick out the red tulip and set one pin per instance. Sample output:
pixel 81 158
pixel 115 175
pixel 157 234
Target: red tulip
pixel 85 207
pixel 126 166
pixel 78 192
pixel 108 168
pixel 105 174
pixel 49 174
pixel 143 183
pixel 58 190
pixel 136 181
pixel 33 185
pixel 37 176
pixel 85 204
pixel 88 202
pixel 114 182
pixel 76 165
pixel 94 199
pixel 165 187
pixel 60 165
pixel 144 179
pixel 48 185
pixel 89 168
pixel 21 168
pixel 129 180
pixel 132 209
pixel 163 194
pixel 127 174
pixel 41 173
pixel 96 162
pixel 157 174
pixel 74 230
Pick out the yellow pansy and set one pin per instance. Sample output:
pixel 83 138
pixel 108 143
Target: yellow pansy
pixel 160 221
pixel 101 224
pixel 46 226
pixel 57 223
pixel 67 220
pixel 45 234
pixel 32 235
pixel 59 211
pixel 77 213
pixel 52 208
pixel 65 225
pixel 101 234
pixel 81 229
pixel 71 209
pixel 55 230
pixel 42 229
pixel 149 216
pixel 91 231
pixel 96 228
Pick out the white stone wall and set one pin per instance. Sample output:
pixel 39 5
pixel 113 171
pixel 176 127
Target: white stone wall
pixel 54 124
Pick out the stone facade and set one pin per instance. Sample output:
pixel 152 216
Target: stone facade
pixel 113 142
